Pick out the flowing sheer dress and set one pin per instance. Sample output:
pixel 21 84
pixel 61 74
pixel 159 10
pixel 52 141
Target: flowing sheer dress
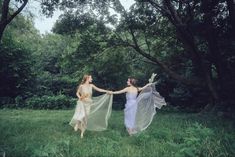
pixel 92 113
pixel 147 102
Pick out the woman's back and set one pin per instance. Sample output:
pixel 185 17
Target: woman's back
pixel 132 93
pixel 131 96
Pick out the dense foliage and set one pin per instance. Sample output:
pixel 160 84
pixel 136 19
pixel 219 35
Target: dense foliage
pixel 189 44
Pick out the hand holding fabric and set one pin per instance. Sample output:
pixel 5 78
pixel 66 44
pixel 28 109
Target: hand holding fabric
pixel 152 78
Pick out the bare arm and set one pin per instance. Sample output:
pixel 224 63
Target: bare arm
pixel 120 91
pixel 141 88
pixel 98 89
pixel 78 92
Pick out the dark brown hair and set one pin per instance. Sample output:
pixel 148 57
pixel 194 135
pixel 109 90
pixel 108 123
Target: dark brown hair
pixel 133 82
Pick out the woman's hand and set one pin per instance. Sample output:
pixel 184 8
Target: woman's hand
pixel 149 84
pixel 109 92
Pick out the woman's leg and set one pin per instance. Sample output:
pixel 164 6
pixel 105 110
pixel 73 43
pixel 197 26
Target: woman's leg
pixel 83 126
pixel 84 120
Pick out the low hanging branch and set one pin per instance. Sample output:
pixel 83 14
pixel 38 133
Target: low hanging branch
pixel 137 48
pixel 6 18
pixel 161 64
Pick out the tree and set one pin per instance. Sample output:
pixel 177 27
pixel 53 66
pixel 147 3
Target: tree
pixel 7 14
pixel 187 18
pixel 204 50
pixel 17 71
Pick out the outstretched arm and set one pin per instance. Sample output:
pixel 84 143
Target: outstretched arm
pixel 141 88
pixel 120 91
pixel 99 89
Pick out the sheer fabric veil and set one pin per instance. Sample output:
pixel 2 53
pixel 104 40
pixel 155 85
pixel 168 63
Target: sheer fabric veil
pixel 100 112
pixel 93 115
pixel 147 102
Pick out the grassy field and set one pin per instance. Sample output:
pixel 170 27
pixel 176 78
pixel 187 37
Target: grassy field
pixel 47 133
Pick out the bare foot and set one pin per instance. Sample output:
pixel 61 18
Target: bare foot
pixel 76 128
pixel 82 134
pixel 129 131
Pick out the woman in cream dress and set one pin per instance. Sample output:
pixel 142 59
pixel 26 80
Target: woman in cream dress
pixel 91 113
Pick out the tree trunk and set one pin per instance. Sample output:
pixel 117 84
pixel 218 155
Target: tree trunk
pixel 187 39
pixel 214 52
pixel 231 8
pixel 2 28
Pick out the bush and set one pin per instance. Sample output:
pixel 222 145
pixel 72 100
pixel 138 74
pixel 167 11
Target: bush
pixel 15 70
pixel 201 141
pixel 50 102
pixel 7 102
pixel 48 84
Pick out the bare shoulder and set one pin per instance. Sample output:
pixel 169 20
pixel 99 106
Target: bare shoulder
pixel 127 88
pixel 92 86
pixel 133 89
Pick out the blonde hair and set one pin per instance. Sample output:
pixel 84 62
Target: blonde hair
pixel 85 77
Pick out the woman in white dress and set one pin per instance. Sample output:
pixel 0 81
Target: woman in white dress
pixel 131 103
pixel 91 113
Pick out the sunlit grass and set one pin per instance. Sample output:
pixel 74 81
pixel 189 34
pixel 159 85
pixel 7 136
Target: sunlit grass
pixel 47 133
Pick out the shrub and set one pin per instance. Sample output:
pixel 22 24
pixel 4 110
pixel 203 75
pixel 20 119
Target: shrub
pixel 48 84
pixel 7 102
pixel 15 70
pixel 50 102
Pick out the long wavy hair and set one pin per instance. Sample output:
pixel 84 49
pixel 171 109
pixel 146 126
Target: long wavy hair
pixel 84 79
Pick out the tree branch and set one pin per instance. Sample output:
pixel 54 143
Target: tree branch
pixel 162 65
pixel 158 7
pixel 17 12
pixel 147 43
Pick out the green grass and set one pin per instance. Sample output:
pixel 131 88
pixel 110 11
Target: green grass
pixel 47 133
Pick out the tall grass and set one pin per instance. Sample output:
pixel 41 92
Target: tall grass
pixel 47 133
